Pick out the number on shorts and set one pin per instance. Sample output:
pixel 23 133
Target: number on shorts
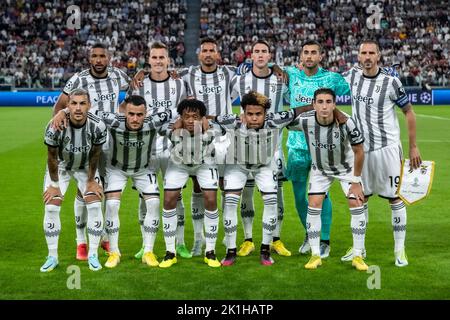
pixel 152 177
pixel 394 181
pixel 212 173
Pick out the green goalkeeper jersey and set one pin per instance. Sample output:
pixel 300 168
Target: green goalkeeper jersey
pixel 301 93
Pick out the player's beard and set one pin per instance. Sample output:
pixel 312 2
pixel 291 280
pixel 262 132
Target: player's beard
pixel 98 71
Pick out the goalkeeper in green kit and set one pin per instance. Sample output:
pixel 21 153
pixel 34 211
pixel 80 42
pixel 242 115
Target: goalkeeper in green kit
pixel 302 84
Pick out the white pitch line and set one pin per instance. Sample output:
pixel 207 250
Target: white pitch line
pixel 432 117
pixel 429 141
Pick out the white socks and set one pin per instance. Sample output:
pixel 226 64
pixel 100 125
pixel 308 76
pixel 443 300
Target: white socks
pixel 211 229
pixel 358 226
pixel 269 217
pixel 94 226
pixel 230 219
pixel 248 209
pixel 280 211
pixel 198 210
pixel 151 223
pixel 79 207
pixel 170 218
pixel 399 225
pixel 52 228
pixel 113 223
pixel 313 227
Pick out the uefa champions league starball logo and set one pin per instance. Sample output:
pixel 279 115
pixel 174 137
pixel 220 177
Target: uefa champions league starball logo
pixel 425 97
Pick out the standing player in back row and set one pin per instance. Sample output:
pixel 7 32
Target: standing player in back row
pixel 104 84
pixel 263 80
pixel 210 84
pixel 161 93
pixel 374 97
pixel 302 85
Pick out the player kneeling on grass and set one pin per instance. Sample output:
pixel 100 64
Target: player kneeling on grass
pixel 336 148
pixel 191 155
pixel 74 153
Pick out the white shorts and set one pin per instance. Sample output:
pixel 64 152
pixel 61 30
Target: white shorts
pixel 145 181
pixel 64 176
pixel 320 184
pixel 381 171
pixel 266 178
pixel 177 176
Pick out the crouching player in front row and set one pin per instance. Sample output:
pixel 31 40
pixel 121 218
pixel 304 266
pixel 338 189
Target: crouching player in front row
pixel 192 155
pixel 74 153
pixel 254 148
pixel 336 147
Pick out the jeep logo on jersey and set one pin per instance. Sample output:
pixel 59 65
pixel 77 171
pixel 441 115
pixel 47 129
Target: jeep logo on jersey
pixel 207 90
pixel 303 99
pixel 74 149
pixel 327 146
pixel 161 103
pixel 104 97
pixel 367 100
pixel 132 144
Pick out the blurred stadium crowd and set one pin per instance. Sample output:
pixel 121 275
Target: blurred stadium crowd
pixel 36 48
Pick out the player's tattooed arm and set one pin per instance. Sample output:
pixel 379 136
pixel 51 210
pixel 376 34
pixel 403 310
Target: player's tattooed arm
pixel 93 188
pixel 52 191
pixel 138 79
pixel 414 153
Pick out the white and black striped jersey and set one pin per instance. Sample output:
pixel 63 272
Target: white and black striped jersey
pixel 252 148
pixel 192 150
pixel 129 150
pixel 104 92
pixel 373 106
pixel 160 96
pixel 212 88
pixel 330 146
pixel 270 86
pixel 75 143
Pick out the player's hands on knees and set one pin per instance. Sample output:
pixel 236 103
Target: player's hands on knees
pixel 414 158
pixel 357 192
pixel 60 121
pixel 50 193
pixel 93 188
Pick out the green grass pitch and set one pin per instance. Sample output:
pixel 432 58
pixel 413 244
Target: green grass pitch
pixel 23 248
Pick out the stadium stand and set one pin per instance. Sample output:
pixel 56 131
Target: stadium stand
pixel 37 50
pixel 414 34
